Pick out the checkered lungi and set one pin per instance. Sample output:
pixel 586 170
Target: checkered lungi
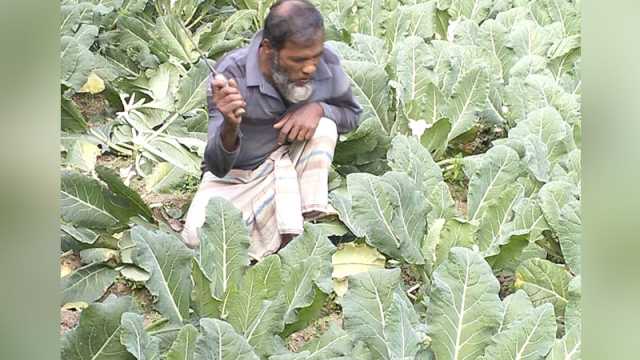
pixel 291 182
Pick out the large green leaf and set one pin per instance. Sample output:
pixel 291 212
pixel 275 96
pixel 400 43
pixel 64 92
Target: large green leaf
pixel 442 204
pixel 530 337
pixel 401 333
pixel 464 309
pixel 561 209
pixel 163 177
pixel 569 232
pixel 370 16
pixel 137 341
pixel 183 348
pixel 371 48
pixel 469 97
pixel 516 251
pixel 430 243
pixel 569 347
pixel 369 295
pixel 429 107
pixel 369 83
pixel 476 10
pixel 546 138
pixel 170 150
pixel 87 283
pixel 412 61
pixel 224 244
pixel 76 61
pixel 435 138
pixel 528 38
pixel 72 15
pixel 161 84
pixel 174 38
pixel 312 242
pixel 298 287
pixel 445 234
pixel 83 235
pixel 537 91
pixel 367 143
pixel 500 167
pixel 85 202
pixel 391 212
pixel 252 307
pixel 307 315
pixel 544 282
pixel 492 36
pixel 219 341
pixel 341 201
pixel 71 119
pixel 203 303
pixel 569 169
pixel 411 20
pixel 83 155
pixel 496 218
pixel 334 343
pixel 306 262
pixel 528 220
pixel 562 11
pixel 168 260
pixel 135 204
pixel 192 92
pixel 573 313
pixel 409 156
pixel 377 316
pixel 515 306
pixel 97 336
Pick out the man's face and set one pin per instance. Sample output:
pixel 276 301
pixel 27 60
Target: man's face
pixel 293 66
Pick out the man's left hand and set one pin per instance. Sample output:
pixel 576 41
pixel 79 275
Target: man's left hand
pixel 299 124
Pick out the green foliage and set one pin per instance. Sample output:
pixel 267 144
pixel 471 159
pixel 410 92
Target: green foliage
pixel 427 74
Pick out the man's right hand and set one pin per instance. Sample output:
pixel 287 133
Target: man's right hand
pixel 228 100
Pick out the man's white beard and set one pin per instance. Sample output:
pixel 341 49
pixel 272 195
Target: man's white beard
pixel 292 92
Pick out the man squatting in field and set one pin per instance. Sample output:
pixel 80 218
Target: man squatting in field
pixel 273 162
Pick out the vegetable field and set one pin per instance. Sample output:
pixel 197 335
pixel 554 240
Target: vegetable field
pixel 459 227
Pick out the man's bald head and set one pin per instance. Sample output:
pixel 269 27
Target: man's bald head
pixel 297 21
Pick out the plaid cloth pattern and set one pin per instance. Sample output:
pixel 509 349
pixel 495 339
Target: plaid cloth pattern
pixel 273 197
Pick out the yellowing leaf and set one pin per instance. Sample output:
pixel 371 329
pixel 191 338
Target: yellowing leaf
pixel 353 259
pixel 66 269
pixel 93 85
pixel 80 305
pixel 340 286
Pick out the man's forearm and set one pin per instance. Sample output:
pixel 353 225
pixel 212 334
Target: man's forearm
pixel 229 135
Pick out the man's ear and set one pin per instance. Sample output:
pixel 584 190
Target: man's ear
pixel 266 46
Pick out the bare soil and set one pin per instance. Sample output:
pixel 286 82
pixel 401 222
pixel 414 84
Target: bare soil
pixel 92 107
pixel 331 313
pixel 69 318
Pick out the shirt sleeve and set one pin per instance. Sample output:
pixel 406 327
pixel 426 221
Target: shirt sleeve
pixel 343 108
pixel 217 159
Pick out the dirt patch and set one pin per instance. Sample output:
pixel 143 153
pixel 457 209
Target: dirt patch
pixel 506 284
pixel 331 313
pixel 118 288
pixel 412 282
pixel 296 341
pixel 68 320
pixel 92 107
pixel 484 135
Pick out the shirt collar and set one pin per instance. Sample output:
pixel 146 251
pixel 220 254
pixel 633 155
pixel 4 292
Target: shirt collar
pixel 255 76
